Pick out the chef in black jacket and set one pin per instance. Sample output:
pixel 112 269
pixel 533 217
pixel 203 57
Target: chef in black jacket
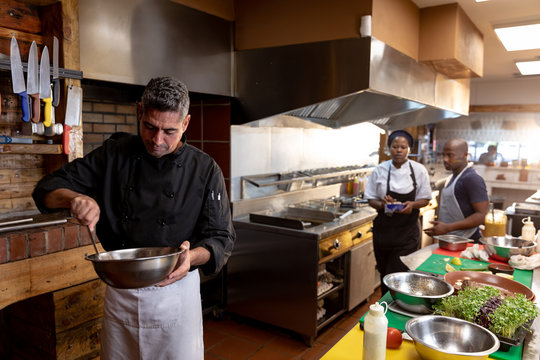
pixel 152 189
pixel 402 180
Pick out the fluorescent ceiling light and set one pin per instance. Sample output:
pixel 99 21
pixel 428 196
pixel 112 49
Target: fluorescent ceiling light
pixel 523 37
pixel 529 67
pixel 481 0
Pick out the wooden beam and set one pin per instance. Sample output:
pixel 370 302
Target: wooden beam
pixel 19 190
pixel 20 35
pixel 23 279
pixel 14 176
pixel 17 204
pixel 505 108
pixel 31 148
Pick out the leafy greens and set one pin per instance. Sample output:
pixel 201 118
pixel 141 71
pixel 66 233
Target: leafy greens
pixel 488 307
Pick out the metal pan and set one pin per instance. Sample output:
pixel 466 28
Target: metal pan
pixel 510 287
pixel 452 242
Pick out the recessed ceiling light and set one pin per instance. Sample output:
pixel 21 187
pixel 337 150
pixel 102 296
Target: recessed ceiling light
pixel 529 67
pixel 523 37
pixel 481 0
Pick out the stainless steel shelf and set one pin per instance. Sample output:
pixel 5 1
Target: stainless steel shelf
pixel 305 176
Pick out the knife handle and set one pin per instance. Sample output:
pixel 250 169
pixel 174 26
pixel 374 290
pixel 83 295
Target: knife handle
pixel 35 107
pixel 56 92
pixel 65 139
pixel 25 106
pixel 47 112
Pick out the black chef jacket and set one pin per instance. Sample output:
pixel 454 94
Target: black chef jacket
pixel 148 201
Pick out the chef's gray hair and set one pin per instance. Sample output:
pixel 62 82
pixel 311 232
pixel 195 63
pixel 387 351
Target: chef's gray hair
pixel 166 94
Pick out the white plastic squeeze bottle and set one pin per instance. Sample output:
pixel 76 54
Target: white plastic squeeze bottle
pixel 375 328
pixel 528 231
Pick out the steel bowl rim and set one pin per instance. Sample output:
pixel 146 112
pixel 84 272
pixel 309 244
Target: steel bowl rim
pixel 508 247
pixel 448 293
pixel 95 257
pixel 486 352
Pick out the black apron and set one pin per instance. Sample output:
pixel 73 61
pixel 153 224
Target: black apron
pixel 396 235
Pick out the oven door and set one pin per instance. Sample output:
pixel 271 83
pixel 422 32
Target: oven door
pixel 363 276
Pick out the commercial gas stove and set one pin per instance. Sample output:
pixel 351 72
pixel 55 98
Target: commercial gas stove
pixel 310 213
pixel 292 261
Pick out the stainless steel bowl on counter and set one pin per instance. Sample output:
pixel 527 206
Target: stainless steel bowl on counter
pixel 416 292
pixel 452 242
pixel 445 338
pixel 135 268
pixel 503 247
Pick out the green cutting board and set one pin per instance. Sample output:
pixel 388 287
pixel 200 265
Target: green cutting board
pixel 436 264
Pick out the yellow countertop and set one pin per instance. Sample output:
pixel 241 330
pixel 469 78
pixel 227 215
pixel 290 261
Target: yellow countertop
pixel 350 347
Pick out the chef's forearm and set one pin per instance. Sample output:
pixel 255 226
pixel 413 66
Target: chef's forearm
pixel 376 204
pixel 59 198
pixel 469 222
pixel 199 256
pixel 419 203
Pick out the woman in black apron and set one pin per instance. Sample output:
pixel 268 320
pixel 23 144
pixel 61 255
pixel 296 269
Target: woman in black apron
pixel 398 234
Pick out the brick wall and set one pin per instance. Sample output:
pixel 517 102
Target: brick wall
pixel 101 119
pixel 209 129
pixel 24 244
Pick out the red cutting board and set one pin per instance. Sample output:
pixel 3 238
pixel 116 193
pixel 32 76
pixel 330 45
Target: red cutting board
pixel 457 253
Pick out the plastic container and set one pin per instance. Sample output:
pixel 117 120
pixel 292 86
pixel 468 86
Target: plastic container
pixel 495 223
pixel 375 329
pixel 396 206
pixel 528 231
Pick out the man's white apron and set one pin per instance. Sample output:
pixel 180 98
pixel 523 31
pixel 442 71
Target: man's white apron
pixel 154 322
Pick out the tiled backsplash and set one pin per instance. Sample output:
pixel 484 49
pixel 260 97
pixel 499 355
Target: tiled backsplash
pixel 272 149
pixel 491 127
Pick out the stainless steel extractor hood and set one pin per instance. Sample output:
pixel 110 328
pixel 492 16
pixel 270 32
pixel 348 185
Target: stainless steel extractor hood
pixel 343 82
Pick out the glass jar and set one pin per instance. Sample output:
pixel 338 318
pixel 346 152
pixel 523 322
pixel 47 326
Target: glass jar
pixel 495 223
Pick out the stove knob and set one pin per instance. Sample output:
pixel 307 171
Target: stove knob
pixel 337 244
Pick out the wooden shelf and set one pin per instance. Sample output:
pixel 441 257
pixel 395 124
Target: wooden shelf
pixel 30 148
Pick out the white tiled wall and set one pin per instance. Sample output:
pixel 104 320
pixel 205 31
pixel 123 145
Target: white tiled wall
pixel 492 127
pixel 264 150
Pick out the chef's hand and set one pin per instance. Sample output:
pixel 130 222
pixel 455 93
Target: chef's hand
pixel 86 210
pixel 439 228
pixel 387 199
pixel 182 266
pixel 407 209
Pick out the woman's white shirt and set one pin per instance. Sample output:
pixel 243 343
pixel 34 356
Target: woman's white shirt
pixel 400 180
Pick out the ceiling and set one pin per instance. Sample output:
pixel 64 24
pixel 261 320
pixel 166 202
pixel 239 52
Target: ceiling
pixel 498 63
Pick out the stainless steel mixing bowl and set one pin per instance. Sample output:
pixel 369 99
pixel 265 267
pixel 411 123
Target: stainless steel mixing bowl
pixel 135 268
pixel 416 292
pixel 445 338
pixel 503 247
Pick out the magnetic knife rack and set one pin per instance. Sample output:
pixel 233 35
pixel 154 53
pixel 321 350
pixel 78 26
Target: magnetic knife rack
pixel 5 64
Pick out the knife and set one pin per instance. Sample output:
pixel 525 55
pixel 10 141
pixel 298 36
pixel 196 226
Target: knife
pixel 73 114
pixel 33 81
pixel 56 80
pixel 45 86
pixel 17 77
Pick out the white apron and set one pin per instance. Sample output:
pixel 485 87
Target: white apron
pixel 450 211
pixel 154 322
